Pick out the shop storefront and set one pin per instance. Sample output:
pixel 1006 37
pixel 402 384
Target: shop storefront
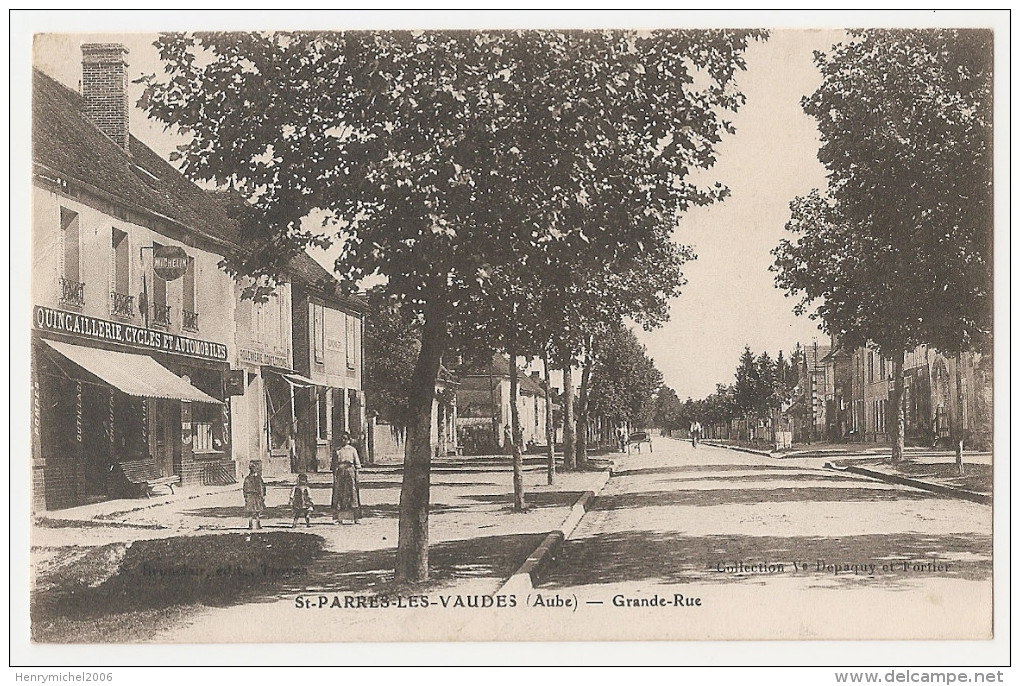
pixel 116 406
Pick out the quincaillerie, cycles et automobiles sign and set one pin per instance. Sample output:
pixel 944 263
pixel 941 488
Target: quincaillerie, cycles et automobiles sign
pixel 58 321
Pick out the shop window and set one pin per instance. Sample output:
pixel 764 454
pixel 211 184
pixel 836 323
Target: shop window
pixel 281 411
pixel 322 415
pixel 207 428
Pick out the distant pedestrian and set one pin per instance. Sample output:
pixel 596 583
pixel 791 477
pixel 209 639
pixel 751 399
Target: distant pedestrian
pixel 301 501
pixel 254 490
pixel 621 438
pixel 346 465
pixel 695 433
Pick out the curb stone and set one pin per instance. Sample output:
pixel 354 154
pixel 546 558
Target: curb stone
pixel 523 580
pixel 982 498
pixel 763 453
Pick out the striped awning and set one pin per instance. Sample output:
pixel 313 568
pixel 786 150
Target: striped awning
pixel 137 375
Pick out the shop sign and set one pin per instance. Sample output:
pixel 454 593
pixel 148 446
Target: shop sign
pixel 58 321
pixel 170 262
pixel 260 358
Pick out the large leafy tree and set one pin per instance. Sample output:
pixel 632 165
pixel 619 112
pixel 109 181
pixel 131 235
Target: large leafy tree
pixel 392 343
pixel 898 250
pixel 433 158
pixel 624 379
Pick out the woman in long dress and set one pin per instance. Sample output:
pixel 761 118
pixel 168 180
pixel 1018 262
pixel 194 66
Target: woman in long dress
pixel 345 467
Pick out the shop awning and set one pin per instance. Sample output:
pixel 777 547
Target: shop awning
pixel 293 378
pixel 137 375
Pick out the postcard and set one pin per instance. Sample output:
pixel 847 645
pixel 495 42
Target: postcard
pixel 616 333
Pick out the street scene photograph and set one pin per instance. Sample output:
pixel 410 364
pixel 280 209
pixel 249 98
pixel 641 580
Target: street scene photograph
pixel 513 334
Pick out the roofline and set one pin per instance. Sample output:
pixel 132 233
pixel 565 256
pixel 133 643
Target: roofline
pixel 332 298
pixel 113 197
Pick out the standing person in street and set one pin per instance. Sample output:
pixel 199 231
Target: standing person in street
pixel 345 467
pixel 301 501
pixel 254 490
pixel 621 438
pixel 695 433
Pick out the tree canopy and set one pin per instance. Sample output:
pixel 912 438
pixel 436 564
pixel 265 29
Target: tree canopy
pixel 454 165
pixel 897 249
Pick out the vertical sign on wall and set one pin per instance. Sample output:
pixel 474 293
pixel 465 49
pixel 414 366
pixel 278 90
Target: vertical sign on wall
pixel 145 422
pixel 77 411
pixel 36 423
pixel 111 420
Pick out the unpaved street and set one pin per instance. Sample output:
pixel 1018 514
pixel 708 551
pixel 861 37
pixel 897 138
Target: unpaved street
pixel 767 548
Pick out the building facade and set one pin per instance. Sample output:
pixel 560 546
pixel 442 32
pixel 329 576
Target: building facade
pixel 327 392
pixel 484 407
pixel 264 410
pixel 943 395
pixel 133 321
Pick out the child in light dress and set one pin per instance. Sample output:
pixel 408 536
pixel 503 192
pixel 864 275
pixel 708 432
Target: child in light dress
pixel 301 501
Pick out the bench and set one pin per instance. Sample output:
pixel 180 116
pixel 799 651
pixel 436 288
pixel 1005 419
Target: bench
pixel 142 477
pixel 637 438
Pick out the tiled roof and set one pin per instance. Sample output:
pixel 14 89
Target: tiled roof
pixel 500 367
pixel 304 269
pixel 66 142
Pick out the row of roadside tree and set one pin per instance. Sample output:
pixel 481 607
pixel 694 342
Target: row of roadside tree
pixel 513 191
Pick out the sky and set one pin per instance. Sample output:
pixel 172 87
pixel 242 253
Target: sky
pixel 730 300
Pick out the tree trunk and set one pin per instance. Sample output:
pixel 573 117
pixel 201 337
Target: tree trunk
pixel 412 564
pixel 896 400
pixel 550 436
pixel 515 433
pixel 582 417
pixel 960 414
pixel 569 457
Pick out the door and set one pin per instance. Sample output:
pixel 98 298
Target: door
pixel 166 434
pixel 97 439
pixel 338 420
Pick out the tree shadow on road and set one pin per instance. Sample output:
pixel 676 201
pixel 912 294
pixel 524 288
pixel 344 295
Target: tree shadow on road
pixel 537 499
pixel 761 478
pixel 285 513
pixel 495 557
pixel 682 469
pixel 753 496
pixel 648 556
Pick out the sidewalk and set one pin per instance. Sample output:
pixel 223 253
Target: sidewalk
pixel 931 472
pixel 924 468
pixel 476 540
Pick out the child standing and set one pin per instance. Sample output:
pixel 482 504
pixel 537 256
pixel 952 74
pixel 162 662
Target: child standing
pixel 254 490
pixel 301 501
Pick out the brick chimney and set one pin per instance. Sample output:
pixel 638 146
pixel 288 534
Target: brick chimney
pixel 104 89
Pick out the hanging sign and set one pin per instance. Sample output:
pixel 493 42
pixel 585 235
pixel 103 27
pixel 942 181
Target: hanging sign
pixel 234 382
pixel 170 262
